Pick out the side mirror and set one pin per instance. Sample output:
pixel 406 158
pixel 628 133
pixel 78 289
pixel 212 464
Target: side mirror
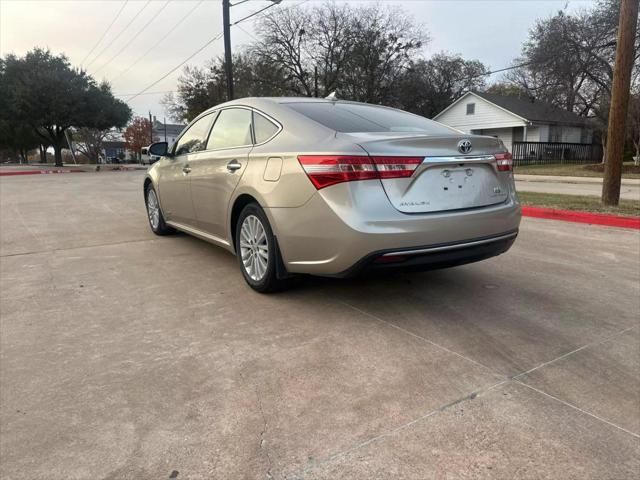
pixel 160 149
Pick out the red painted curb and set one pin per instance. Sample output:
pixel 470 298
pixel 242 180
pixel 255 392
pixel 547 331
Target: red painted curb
pixel 38 172
pixel 582 217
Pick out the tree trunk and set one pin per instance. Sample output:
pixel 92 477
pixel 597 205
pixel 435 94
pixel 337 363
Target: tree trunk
pixel 58 154
pixel 43 153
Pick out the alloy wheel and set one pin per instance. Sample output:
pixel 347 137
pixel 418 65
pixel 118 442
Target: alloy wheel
pixel 254 248
pixel 153 209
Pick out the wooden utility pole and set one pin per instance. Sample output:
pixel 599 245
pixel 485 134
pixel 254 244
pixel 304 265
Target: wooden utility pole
pixel 619 101
pixel 226 28
pixel 150 128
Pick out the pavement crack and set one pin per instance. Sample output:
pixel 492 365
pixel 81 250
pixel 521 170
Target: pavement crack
pixel 442 408
pixel 585 412
pixel 415 335
pixel 565 355
pixel 263 442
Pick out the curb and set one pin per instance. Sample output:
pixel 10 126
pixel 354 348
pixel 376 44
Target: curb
pixel 67 170
pixel 38 172
pixel 582 217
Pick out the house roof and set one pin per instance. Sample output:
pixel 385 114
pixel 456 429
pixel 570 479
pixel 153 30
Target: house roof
pixel 533 110
pixel 172 129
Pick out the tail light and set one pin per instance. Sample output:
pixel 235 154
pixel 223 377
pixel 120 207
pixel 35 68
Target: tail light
pixel 326 170
pixel 396 167
pixel 505 161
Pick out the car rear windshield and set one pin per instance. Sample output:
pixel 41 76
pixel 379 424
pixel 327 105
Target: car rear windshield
pixel 352 117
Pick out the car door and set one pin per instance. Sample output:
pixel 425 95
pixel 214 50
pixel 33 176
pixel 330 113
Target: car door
pixel 216 171
pixel 173 172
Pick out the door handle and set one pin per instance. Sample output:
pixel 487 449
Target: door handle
pixel 234 165
pixel 186 170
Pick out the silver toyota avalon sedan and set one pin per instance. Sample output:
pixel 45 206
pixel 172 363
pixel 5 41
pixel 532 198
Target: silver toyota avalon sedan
pixel 329 187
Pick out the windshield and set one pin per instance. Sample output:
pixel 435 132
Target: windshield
pixel 353 117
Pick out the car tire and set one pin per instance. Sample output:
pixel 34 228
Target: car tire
pixel 257 250
pixel 154 213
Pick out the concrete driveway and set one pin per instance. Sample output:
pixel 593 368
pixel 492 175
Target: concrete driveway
pixel 128 356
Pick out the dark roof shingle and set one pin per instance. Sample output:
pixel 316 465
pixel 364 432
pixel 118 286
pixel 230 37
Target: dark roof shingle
pixel 534 111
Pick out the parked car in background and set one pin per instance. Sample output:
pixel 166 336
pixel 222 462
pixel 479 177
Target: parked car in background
pixel 146 158
pixel 327 187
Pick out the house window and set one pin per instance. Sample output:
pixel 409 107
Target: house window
pixel 471 108
pixel 555 133
pixel 585 135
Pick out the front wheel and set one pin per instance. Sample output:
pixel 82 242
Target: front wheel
pixel 256 249
pixel 156 219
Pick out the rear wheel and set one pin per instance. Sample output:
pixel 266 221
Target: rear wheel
pixel 256 249
pixel 156 220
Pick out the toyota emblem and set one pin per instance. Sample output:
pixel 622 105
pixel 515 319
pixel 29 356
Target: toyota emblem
pixel 464 146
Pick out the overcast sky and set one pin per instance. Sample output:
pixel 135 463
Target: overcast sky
pixel 489 30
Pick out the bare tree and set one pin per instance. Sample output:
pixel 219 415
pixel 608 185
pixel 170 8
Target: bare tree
pixel 569 60
pixel 360 52
pixel 386 43
pixel 284 43
pixel 363 53
pixel 429 86
pixel 90 142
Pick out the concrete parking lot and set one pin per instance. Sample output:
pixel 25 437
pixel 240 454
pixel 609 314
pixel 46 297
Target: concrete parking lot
pixel 128 356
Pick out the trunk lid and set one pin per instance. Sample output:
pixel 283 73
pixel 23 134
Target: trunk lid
pixel 446 179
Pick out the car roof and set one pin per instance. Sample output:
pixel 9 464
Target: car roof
pixel 254 101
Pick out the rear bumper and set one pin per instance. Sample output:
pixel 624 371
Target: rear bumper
pixel 342 228
pixel 433 256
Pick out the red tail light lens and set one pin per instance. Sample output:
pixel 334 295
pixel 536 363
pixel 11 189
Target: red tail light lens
pixel 505 161
pixel 396 167
pixel 326 170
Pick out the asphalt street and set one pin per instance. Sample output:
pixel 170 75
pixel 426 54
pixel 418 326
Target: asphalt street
pixel 128 356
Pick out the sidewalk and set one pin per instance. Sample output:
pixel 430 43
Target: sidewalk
pixel 564 179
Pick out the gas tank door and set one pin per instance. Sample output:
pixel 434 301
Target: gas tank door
pixel 273 169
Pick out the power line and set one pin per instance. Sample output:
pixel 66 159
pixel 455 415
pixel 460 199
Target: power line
pixel 134 37
pixel 209 42
pixel 145 93
pixel 121 32
pixel 248 33
pixel 158 42
pixel 503 69
pixel 256 13
pixel 124 4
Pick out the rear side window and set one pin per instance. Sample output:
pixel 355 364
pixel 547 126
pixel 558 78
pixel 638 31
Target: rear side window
pixel 232 129
pixel 194 138
pixel 351 117
pixel 263 128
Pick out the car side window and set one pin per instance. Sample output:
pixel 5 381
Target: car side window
pixel 232 129
pixel 263 128
pixel 195 137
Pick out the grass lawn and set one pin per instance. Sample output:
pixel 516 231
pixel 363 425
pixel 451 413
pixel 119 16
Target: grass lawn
pixel 578 203
pixel 570 170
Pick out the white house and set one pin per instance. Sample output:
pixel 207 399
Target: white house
pixel 514 119
pixel 165 132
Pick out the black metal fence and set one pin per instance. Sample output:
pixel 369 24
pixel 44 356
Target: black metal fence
pixel 542 153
